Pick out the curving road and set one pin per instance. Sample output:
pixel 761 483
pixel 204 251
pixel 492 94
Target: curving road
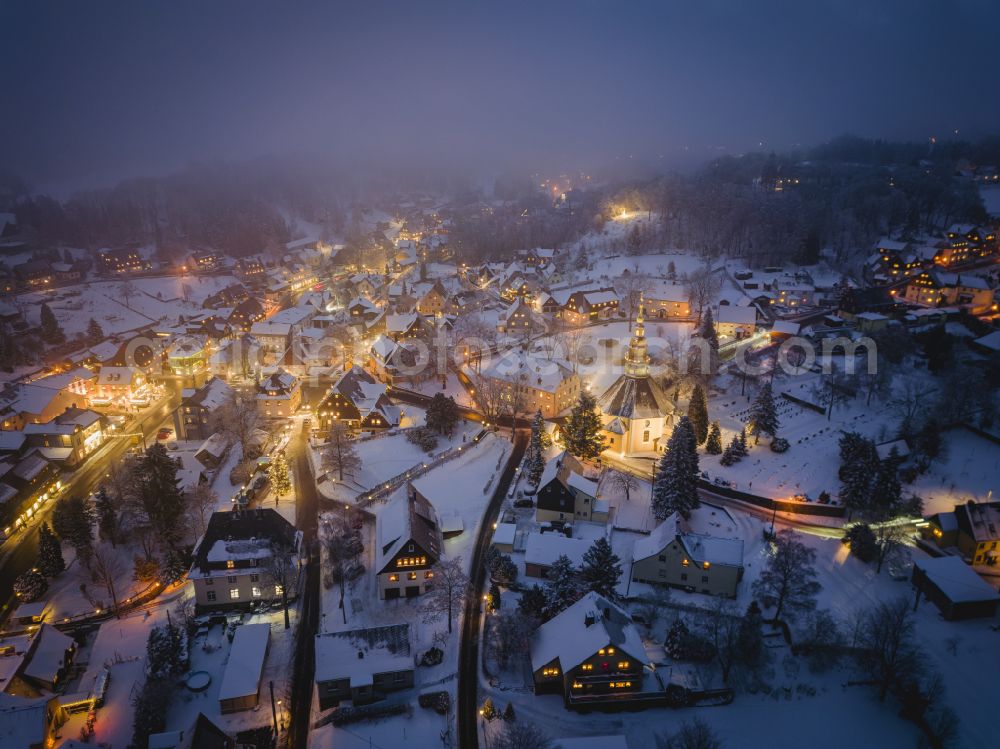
pixel 468 653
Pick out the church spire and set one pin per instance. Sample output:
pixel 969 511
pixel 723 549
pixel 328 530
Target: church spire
pixel 637 358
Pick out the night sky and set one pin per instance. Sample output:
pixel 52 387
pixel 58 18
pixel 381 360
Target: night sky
pixel 97 91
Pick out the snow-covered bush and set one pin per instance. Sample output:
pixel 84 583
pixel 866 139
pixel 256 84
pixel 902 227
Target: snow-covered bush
pixel 30 586
pixel 779 445
pixel 424 438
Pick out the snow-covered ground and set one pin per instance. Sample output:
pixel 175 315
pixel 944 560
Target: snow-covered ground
pixel 991 199
pixel 157 299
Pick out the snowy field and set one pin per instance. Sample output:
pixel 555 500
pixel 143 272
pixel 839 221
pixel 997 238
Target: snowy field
pixel 970 470
pixel 156 300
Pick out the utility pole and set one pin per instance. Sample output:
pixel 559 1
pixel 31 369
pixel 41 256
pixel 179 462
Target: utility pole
pixel 274 711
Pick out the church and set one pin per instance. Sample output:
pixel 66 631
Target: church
pixel 635 411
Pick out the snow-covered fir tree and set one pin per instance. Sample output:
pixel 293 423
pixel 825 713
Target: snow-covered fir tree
pixel 764 414
pixel 698 413
pixel 50 557
pixel 535 460
pixel 713 443
pixel 583 429
pixel 564 588
pixel 675 488
pixel 601 569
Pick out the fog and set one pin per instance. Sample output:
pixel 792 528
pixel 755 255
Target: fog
pixel 95 91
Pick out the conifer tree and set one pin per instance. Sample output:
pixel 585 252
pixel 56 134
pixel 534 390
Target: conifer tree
pixel 564 587
pixel 675 488
pixel 95 334
pixel 50 557
pixel 741 444
pixel 278 475
pixel 698 413
pixel 764 414
pixel 601 569
pixel 50 331
pixel 159 495
pixel 535 460
pixel 728 455
pixel 713 444
pixel 583 429
pixel 107 516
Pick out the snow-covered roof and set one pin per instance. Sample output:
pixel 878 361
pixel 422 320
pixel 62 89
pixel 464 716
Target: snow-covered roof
pixel 580 631
pixel 23 720
pixel 504 533
pixel 724 551
pixel 785 327
pixel 48 656
pixel 581 484
pixel 956 579
pixel 871 316
pixel 658 539
pixel 990 341
pixel 730 314
pixel 528 370
pixel 116 375
pixel 544 548
pixel 246 661
pixel 359 655
pixel 592 742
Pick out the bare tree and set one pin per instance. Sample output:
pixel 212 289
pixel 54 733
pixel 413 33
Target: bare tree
pixel 887 653
pixel 623 482
pixel 339 453
pixel 238 419
pixel 450 588
pixel 693 734
pixel 511 634
pixel 788 581
pixel 724 634
pixel 491 393
pixel 105 568
pixel 702 286
pixel 202 501
pixel 127 291
pixel 282 571
pixel 630 288
pixel 521 736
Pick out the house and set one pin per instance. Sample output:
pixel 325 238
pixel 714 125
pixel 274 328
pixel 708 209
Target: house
pixel 116 386
pixel 359 401
pixel 48 658
pixel 531 383
pixel 362 665
pixel 279 395
pixel 35 274
pixel 675 557
pixel 43 399
pixel 204 261
pixel 934 288
pixel 403 327
pixel 69 438
pixel 240 688
pixel 234 562
pixel 187 357
pixel 952 586
pixel 193 418
pixel 201 734
pixel 735 322
pixel 667 300
pixel 591 648
pixel 30 722
pixel 392 362
pixel 542 549
pixel 34 480
pixel 871 322
pixel 516 319
pixel 973 528
pixel 230 296
pixel 245 314
pixel 250 268
pixel 503 537
pixel 590 306
pixel 434 301
pixel 409 545
pixel 122 262
pixel 564 493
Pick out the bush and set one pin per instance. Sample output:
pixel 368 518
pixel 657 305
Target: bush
pixel 683 645
pixel 779 445
pixel 861 538
pixel 432 657
pixel 440 701
pixel 29 586
pixel 503 570
pixel 824 497
pixel 424 438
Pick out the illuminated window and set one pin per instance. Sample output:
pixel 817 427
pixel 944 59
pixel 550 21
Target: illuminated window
pixel 685 562
pixel 234 593
pixel 393 578
pixel 255 591
pixel 278 590
pixel 622 665
pixel 587 667
pixel 411 575
pixel 577 685
pixel 230 564
pixel 611 651
pixel 601 651
pixel 428 575
pixel 705 565
pixel 550 671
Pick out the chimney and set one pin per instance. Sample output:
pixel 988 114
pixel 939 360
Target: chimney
pixel 588 620
pixel 361 655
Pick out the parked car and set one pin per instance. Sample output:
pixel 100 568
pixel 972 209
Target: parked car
pixel 524 502
pixel 164 433
pixel 721 482
pixel 260 482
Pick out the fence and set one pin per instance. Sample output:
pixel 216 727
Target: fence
pixel 783 505
pixel 381 492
